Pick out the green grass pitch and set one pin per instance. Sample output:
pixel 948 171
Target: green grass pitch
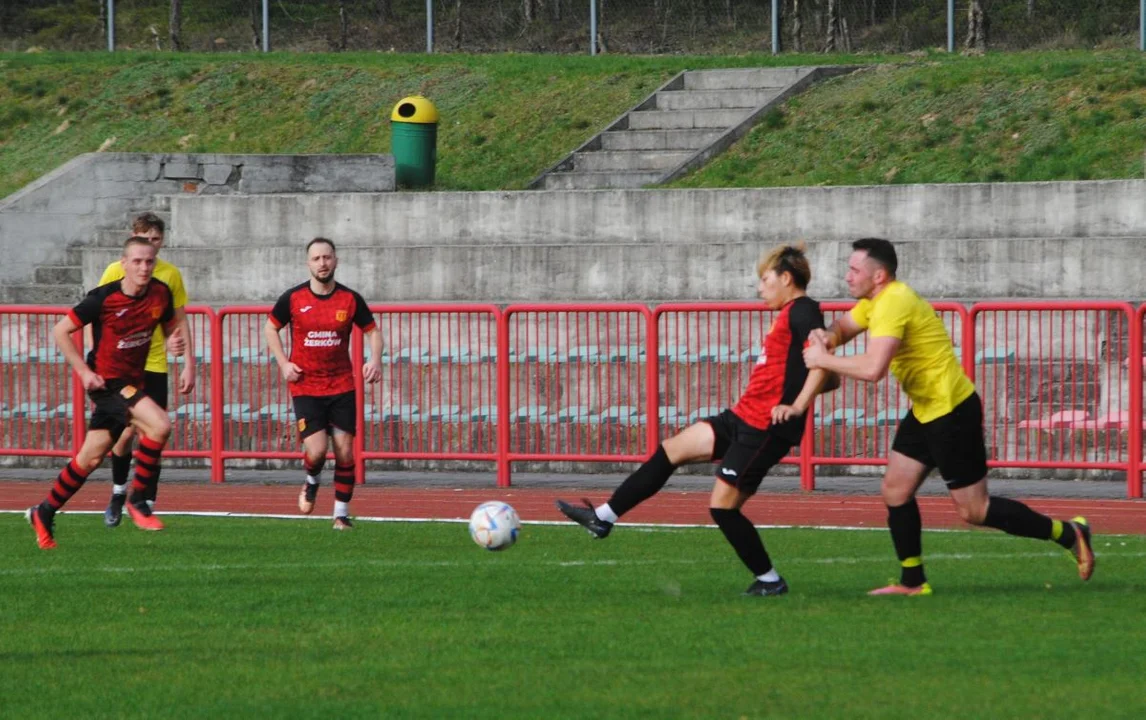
pixel 225 617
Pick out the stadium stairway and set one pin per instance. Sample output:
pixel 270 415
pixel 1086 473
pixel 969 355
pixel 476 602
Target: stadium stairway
pixel 685 123
pixel 63 283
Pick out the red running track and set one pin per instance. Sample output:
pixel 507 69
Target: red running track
pixel 685 508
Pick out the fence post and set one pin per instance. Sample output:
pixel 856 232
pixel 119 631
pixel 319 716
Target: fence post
pixel 503 464
pixel 217 471
pixel 1134 469
pixel 593 27
pixel 111 25
pixel 950 26
pixel 807 467
pixel 776 26
pixel 429 26
pixel 652 378
pixel 358 352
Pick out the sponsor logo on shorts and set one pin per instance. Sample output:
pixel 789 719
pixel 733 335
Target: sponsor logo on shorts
pixel 128 391
pixel 302 425
pixel 728 472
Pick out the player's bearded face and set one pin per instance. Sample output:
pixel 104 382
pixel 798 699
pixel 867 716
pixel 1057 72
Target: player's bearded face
pixel 322 267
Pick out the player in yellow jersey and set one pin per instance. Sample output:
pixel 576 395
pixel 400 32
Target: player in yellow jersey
pixel 944 426
pixel 152 227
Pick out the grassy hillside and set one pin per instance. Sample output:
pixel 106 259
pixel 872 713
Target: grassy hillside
pixel 507 117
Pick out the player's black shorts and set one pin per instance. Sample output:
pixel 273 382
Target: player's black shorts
pixel 155 387
pixel 322 413
pixel 112 403
pixel 746 453
pixel 953 443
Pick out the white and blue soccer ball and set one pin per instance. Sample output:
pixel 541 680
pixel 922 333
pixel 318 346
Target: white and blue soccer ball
pixel 494 525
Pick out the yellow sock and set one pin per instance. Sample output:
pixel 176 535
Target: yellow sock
pixel 912 562
pixel 1056 529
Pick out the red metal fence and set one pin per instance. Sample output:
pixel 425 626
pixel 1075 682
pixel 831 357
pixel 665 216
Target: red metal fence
pixel 1062 385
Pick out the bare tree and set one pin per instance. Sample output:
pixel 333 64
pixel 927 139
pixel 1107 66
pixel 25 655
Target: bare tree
pixel 102 5
pixel 342 30
pixel 833 29
pixel 256 18
pixel 530 9
pixel 1030 8
pixel 797 28
pixel 175 25
pixel 977 26
pixel 458 25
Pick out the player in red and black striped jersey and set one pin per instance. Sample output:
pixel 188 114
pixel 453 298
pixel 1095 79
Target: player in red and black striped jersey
pixel 123 315
pixel 748 439
pixel 321 314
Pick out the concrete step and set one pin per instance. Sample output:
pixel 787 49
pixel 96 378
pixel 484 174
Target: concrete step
pixel 74 255
pixel 592 180
pixel 714 99
pixel 629 160
pixel 111 238
pixel 683 119
pixel 658 139
pixel 37 294
pixel 59 275
pixel 743 78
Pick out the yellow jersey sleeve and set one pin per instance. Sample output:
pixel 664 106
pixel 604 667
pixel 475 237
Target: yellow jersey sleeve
pixel 861 313
pixel 890 316
pixel 113 272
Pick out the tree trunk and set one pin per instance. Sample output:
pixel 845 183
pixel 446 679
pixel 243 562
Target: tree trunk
pixel 256 19
pixel 977 24
pixel 833 29
pixel 1030 8
pixel 458 25
pixel 342 30
pixel 797 28
pixel 384 9
pixel 102 19
pixel 175 25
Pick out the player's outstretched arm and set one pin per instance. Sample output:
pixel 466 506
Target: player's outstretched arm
pixel 843 330
pixel 871 366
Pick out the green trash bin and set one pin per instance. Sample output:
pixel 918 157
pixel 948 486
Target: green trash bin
pixel 414 141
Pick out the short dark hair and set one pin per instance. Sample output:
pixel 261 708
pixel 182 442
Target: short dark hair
pixel 148 221
pixel 787 259
pixel 318 240
pixel 136 240
pixel 880 250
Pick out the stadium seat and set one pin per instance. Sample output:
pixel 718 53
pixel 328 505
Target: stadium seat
pixel 584 353
pixel 414 355
pixel 449 413
pixel 667 415
pixel 844 416
pixel 3 409
pixel 577 414
pixel 703 412
pixel 1117 421
pixel 46 354
pixel 750 355
pixel 196 412
pixel 624 414
pixel 29 410
pixel 676 353
pixel 541 353
pixel 11 355
pixel 457 355
pixel 61 411
pixel 531 413
pixel 484 413
pixel 717 353
pixel 403 413
pixel 994 355
pixel 883 418
pixel 279 412
pixel 1059 420
pixel 626 353
pixel 250 355
pixel 236 410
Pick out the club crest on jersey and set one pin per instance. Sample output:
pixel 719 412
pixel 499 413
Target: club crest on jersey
pixel 341 315
pixel 156 312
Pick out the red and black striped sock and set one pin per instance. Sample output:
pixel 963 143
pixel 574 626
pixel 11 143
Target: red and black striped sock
pixel 68 482
pixel 315 469
pixel 343 482
pixel 147 458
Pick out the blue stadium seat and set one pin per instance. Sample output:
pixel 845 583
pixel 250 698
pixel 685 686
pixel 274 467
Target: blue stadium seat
pixel 402 413
pixel 250 355
pixel 531 413
pixel 541 353
pixel 30 410
pixel 3 409
pixel 584 353
pixel 414 355
pixel 844 416
pixel 670 415
pixel 279 412
pixel 717 353
pixel 627 353
pixel 195 412
pixel 457 355
pixel 46 354
pixel 578 414
pixel 236 410
pixel 884 418
pixel 448 412
pixel 750 355
pixel 11 355
pixel 703 412
pixel 61 411
pixel 676 353
pixel 994 355
pixel 622 414
pixel 484 413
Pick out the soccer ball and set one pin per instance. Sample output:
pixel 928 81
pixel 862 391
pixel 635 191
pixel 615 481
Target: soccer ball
pixel 494 525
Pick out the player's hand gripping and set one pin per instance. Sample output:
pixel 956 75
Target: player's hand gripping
pixel 91 380
pixel 825 337
pixel 372 371
pixel 815 352
pixel 783 413
pixel 176 344
pixel 291 372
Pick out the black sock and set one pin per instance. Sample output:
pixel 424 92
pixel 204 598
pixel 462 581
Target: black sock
pixel 153 489
pixel 906 526
pixel 647 481
pixel 120 468
pixel 743 538
pixel 1015 518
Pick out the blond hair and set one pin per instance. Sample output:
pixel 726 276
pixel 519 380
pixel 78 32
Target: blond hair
pixel 787 259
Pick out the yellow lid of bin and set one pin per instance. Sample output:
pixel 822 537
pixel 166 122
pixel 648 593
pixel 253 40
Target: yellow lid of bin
pixel 415 109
